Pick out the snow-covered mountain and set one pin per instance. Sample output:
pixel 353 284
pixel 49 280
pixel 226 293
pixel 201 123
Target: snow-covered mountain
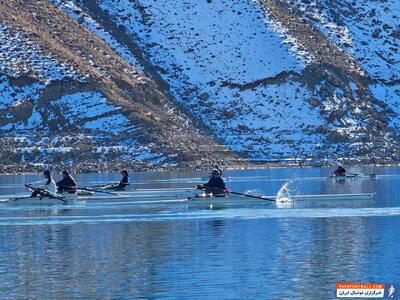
pixel 174 83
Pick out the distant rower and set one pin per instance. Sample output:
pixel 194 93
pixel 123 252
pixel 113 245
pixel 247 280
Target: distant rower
pixel 41 187
pixel 122 184
pixel 215 185
pixel 67 184
pixel 340 171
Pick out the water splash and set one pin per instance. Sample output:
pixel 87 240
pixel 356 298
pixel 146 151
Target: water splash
pixel 283 194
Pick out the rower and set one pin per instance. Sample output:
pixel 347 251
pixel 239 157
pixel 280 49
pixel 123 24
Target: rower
pixel 215 185
pixel 217 168
pixel 340 171
pixel 122 184
pixel 41 187
pixel 67 184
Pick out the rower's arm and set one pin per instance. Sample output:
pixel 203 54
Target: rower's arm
pixel 210 183
pixel 38 184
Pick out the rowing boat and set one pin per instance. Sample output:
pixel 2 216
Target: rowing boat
pixel 71 199
pixel 332 197
pixel 231 200
pixel 84 193
pixel 27 199
pixel 129 197
pixel 59 199
pixel 326 197
pixel 353 176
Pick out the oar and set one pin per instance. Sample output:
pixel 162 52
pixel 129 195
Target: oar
pixel 360 174
pixel 352 174
pixel 98 191
pixel 52 195
pixel 104 185
pixel 252 196
pixel 48 193
pixel 242 194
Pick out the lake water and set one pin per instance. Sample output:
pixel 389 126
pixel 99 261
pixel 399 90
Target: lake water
pixel 116 249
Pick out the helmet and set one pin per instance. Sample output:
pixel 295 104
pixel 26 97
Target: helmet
pixel 124 172
pixel 47 173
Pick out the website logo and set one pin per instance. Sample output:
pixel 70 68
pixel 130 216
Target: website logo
pixel 367 290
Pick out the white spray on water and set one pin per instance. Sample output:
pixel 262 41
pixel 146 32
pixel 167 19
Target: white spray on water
pixel 283 199
pixel 283 194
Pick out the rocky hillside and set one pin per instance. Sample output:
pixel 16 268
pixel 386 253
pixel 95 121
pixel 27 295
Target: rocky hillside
pixel 97 84
pixel 68 99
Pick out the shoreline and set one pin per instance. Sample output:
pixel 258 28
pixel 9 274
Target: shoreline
pixel 31 169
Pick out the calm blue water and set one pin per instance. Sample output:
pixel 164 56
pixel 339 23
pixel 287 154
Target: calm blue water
pixel 114 249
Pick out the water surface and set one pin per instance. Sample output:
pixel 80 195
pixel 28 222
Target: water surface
pixel 176 250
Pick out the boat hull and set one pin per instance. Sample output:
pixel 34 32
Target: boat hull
pixel 165 199
pixel 333 197
pixel 351 177
pixel 321 197
pixel 67 198
pixel 230 198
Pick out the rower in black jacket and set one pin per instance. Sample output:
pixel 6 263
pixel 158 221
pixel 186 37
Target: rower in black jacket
pixel 122 184
pixel 67 184
pixel 215 185
pixel 340 171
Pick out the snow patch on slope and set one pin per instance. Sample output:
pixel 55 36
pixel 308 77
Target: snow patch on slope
pixel 103 129
pixel 94 109
pixel 19 56
pixel 202 48
pixel 86 20
pixel 370 32
pixel 38 129
pixel 14 95
pixel 391 95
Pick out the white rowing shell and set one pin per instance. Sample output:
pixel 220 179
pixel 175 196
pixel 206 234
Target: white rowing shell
pixel 42 200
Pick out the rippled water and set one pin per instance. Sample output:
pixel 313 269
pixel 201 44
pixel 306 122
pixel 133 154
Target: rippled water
pixel 173 249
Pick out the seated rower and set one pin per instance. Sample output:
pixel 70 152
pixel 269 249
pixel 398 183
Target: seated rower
pixel 340 171
pixel 215 185
pixel 41 187
pixel 67 184
pixel 122 184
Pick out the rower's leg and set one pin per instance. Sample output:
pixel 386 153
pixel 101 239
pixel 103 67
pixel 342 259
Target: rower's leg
pixel 209 191
pixel 35 193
